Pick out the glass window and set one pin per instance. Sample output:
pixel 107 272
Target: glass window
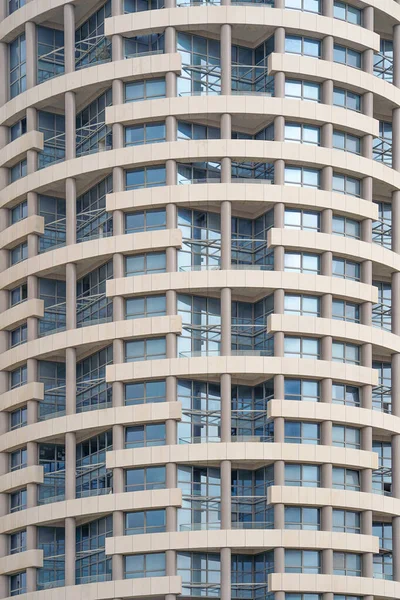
pixel 297 517
pixel 17 57
pixel 302 432
pixel 145 220
pixel 149 89
pixel 19 170
pixel 195 131
pixel 18 129
pixel 303 90
pixel 17 542
pixel 142 436
pixel 18 459
pixel 145 177
pixel 19 335
pixel 18 500
pixel 344 184
pixel 302 475
pixel 347 521
pixel 91 45
pixel 14 5
pixel 346 437
pixel 305 46
pixel 201 72
pixel 301 176
pixel 18 377
pixel 147 133
pixel 346 269
pixel 143 45
pixel 148 478
pixel 145 565
pixel 346 99
pixel 149 349
pixel 302 390
pixel 346 353
pixel 347 563
pixel 346 141
pixel 19 212
pixel 304 134
pixel 18 294
pixel 302 305
pixel 313 6
pixel 302 561
pixel 345 311
pixel 148 392
pixel 346 12
pixel 307 220
pixel 302 262
pixel 145 307
pixel 19 253
pixel 53 128
pixel 345 394
pixel 142 264
pixel 345 479
pixel 92 133
pixel 346 227
pixel 145 521
pixel 50 53
pixel 346 56
pixel 91 563
pixel 18 418
pixel 17 583
pixel 301 347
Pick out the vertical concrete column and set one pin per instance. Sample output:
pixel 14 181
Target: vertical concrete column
pixel 368 18
pixel 31 544
pixel 279 129
pixel 368 61
pixel 170 77
pixel 32 405
pixel 69 37
pixel 70 465
pixel 70 353
pixel 327 48
pixel 70 550
pixel 327 91
pixel 70 125
pixel 396 53
pixel 368 104
pixel 31 54
pixel 327 8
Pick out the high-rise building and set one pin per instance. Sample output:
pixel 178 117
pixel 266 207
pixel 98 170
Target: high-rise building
pixel 200 363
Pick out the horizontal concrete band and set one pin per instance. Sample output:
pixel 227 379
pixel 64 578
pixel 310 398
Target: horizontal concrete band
pixel 245 282
pixel 36 11
pixel 87 79
pixel 21 395
pixel 103 248
pixel 337 413
pixel 338 584
pixel 240 452
pixel 153 21
pixel 17 479
pixel 250 540
pixel 338 245
pixel 248 197
pixel 20 561
pixel 384 342
pixel 19 231
pixel 201 150
pixel 344 499
pixel 242 367
pixel 321 70
pixel 88 336
pixel 90 506
pixel 148 587
pixel 88 422
pixel 17 149
pixel 21 312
